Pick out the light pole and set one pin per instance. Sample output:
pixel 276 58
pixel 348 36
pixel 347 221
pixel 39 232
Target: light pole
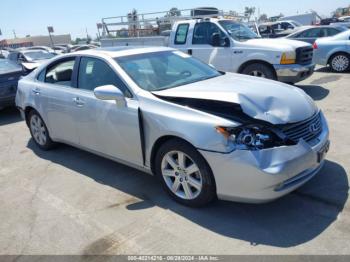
pixel 99 26
pixel 50 30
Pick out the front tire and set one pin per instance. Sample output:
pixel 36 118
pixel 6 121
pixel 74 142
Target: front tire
pixel 340 62
pixel 185 174
pixel 259 70
pixel 39 131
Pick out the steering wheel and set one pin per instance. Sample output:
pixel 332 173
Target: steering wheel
pixel 186 73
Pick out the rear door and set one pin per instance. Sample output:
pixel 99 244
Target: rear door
pixel 54 95
pixel 103 126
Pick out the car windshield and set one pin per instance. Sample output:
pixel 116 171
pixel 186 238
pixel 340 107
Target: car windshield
pixel 8 66
pixel 37 55
pixel 238 31
pixel 163 70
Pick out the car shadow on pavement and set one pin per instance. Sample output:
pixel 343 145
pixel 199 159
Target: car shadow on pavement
pixel 315 91
pixel 290 221
pixel 9 115
pixel 323 69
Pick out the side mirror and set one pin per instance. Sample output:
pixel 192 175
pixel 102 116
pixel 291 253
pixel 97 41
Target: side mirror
pixel 227 42
pixel 215 39
pixel 110 92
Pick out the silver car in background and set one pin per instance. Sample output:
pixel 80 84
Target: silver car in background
pixel 203 133
pixel 333 51
pixel 310 34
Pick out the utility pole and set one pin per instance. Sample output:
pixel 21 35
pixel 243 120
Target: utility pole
pixel 99 26
pixel 50 30
pixel 14 33
pixel 87 36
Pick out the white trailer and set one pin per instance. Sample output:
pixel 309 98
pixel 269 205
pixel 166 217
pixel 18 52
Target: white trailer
pixel 305 19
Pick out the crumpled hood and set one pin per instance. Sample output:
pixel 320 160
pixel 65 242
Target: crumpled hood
pixel 278 44
pixel 262 99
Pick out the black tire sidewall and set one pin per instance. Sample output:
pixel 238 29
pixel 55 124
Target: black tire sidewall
pixel 208 192
pixel 268 72
pixel 335 55
pixel 49 143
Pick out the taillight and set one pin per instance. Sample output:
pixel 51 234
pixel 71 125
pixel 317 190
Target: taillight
pixel 315 46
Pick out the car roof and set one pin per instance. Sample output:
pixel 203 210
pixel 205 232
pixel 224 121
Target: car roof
pixel 123 51
pixel 306 27
pixel 32 50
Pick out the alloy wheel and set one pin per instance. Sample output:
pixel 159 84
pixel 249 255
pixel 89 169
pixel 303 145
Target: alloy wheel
pixel 38 130
pixel 182 175
pixel 340 63
pixel 257 73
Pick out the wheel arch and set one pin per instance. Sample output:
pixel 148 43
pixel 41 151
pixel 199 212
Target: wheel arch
pixel 256 61
pixel 27 111
pixel 158 143
pixel 162 140
pixel 336 53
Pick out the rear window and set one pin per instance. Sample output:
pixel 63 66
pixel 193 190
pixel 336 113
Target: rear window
pixel 181 34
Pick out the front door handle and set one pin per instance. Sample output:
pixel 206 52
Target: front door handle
pixel 36 91
pixel 78 101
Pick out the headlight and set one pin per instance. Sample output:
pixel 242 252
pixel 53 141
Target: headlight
pixel 288 58
pixel 252 137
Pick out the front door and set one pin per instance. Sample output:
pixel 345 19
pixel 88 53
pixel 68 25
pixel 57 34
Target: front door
pixel 104 126
pixel 202 48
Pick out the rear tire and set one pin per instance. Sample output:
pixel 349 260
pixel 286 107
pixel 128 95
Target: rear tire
pixel 185 174
pixel 340 62
pixel 39 131
pixel 259 70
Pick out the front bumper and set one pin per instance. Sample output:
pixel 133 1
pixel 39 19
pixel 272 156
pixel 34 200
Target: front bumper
pixel 293 73
pixel 264 175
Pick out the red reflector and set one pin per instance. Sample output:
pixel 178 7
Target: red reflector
pixel 315 46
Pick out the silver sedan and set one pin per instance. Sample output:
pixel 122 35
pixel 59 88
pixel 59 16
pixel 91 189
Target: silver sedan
pixel 203 133
pixel 334 51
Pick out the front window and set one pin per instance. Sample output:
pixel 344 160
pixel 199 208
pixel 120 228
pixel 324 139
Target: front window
pixel 164 70
pixel 37 55
pixel 203 34
pixel 94 72
pixel 238 31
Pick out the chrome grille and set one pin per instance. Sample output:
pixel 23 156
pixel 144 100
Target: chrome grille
pixel 307 130
pixel 304 55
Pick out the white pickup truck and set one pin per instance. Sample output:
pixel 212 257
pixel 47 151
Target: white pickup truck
pixel 232 47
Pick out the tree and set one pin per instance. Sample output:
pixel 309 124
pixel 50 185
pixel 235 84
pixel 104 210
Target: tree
pixel 174 12
pixel 232 13
pixel 249 11
pixel 263 18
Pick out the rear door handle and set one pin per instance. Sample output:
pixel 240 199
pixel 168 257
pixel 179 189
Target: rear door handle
pixel 78 101
pixel 189 51
pixel 36 91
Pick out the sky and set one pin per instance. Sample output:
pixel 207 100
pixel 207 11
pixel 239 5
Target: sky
pixel 31 17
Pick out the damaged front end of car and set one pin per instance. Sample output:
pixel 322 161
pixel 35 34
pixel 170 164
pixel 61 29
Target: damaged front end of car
pixel 251 134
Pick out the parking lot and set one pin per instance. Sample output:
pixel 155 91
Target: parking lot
pixel 68 201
